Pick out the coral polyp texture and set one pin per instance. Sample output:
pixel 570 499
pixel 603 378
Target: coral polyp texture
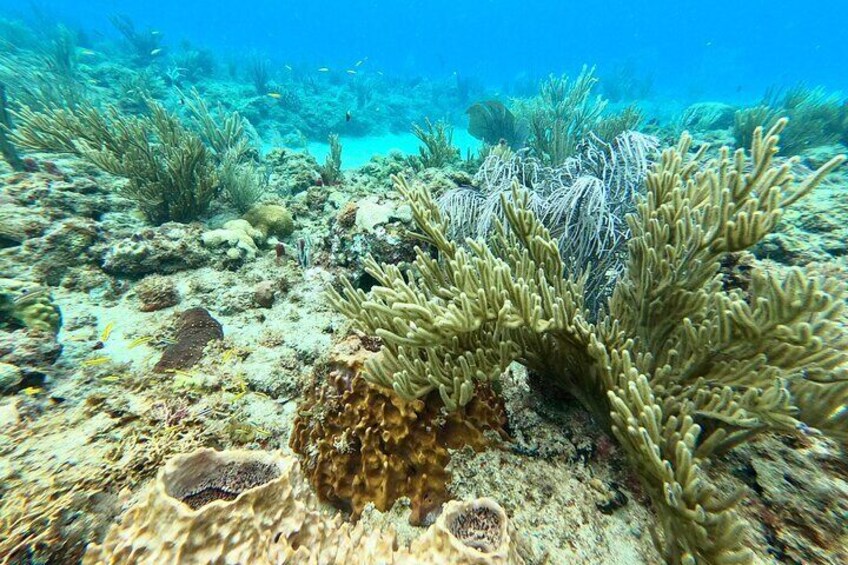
pixel 256 507
pixel 679 369
pixel 361 444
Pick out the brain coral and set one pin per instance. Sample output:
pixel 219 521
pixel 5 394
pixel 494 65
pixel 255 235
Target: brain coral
pixel 254 507
pixel 270 220
pixel 361 444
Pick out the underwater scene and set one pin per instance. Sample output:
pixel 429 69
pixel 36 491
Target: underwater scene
pixel 412 283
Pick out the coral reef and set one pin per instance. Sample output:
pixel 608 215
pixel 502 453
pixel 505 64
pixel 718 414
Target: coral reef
pixel 678 368
pixel 437 149
pixel 360 444
pixel 292 171
pixel 256 507
pixel 172 180
pixel 469 533
pixel 195 329
pixel 271 220
pixel 203 508
pixel 490 121
pixel 27 305
pixel 331 170
pixel 582 202
pixel 164 249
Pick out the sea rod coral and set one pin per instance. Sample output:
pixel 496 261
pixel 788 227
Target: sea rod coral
pixel 679 368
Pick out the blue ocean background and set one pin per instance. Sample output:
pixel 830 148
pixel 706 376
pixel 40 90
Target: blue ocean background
pixel 676 52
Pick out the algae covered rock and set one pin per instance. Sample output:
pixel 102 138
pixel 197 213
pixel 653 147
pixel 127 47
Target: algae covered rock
pixel 167 248
pixel 156 292
pixel 270 220
pixel 31 352
pixel 28 305
pixel 10 377
pixel 292 171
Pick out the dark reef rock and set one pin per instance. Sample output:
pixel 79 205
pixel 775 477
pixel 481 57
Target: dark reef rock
pixel 195 328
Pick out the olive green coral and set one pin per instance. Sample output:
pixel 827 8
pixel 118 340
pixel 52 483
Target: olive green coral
pixel 171 174
pixel 679 368
pixel 28 305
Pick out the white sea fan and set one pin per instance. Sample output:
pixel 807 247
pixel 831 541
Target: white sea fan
pixel 583 202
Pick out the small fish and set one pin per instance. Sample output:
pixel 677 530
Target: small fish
pixel 30 294
pixel 348 117
pixel 275 95
pixel 111 379
pixel 324 70
pixel 155 32
pixel 107 331
pixel 228 354
pixel 87 52
pixel 350 72
pixel 359 63
pixel 32 390
pixel 288 67
pixel 181 373
pixel 96 361
pixel 155 51
pixel 139 341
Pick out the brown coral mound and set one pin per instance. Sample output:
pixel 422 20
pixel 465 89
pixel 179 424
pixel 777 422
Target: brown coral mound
pixel 156 293
pixel 196 328
pixel 360 443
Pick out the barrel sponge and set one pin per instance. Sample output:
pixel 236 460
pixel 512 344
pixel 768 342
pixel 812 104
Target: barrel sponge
pixel 271 220
pixel 240 507
pixel 219 507
pixel 476 532
pixel 361 444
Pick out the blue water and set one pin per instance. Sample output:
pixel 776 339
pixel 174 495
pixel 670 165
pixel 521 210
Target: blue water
pixel 687 50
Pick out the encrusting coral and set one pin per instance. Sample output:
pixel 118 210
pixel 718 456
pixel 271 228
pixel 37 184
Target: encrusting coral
pixel 360 444
pixel 256 507
pixel 679 368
